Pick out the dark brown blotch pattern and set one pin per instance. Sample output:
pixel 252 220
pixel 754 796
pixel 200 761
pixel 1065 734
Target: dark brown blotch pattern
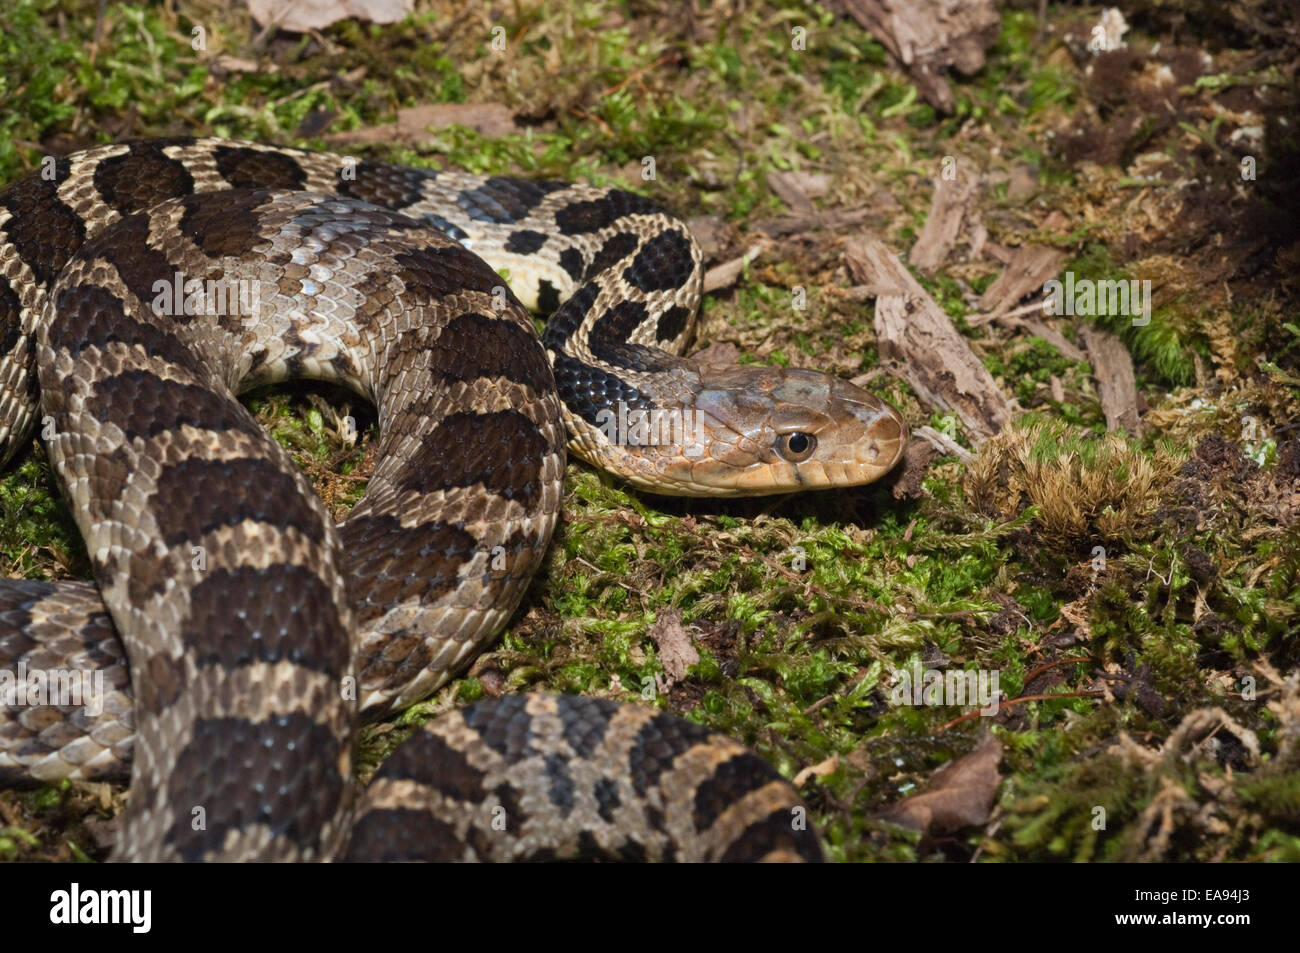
pixel 428 758
pixel 578 218
pixel 246 168
pixel 432 274
pixel 160 684
pixel 475 345
pixel 657 745
pixel 663 263
pixel 403 835
pixel 11 314
pixel 44 231
pixel 224 223
pixel 144 405
pixel 126 247
pixel 390 564
pixel 283 613
pixel 505 726
pixel 504 451
pixel 195 497
pixel 279 773
pixel 616 248
pixel 728 783
pixel 141 177
pixel 387 186
pixel 772 833
pixel 89 316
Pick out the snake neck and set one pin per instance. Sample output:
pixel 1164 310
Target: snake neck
pixel 675 426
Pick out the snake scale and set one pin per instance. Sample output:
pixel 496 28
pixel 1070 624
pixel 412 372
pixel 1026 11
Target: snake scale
pixel 241 635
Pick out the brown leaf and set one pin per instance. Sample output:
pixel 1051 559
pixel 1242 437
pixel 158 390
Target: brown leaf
pixel 719 352
pixel 675 649
pixel 819 770
pixel 961 792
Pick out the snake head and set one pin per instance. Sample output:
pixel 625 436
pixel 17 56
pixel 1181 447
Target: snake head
pixel 751 431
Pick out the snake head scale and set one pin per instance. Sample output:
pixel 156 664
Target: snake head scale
pixel 751 431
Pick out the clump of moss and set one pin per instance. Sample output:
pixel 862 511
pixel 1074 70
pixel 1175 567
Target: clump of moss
pixel 1210 791
pixel 1083 487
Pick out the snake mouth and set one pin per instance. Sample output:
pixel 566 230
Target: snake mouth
pixel 889 439
pixel 874 435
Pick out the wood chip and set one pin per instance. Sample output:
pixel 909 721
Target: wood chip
pixel 413 124
pixel 952 198
pixel 222 63
pixel 908 479
pixel 728 273
pixel 943 443
pixel 710 232
pixel 1030 268
pixel 819 770
pixel 1048 334
pixel 1112 368
pixel 929 36
pixel 299 16
pixel 798 189
pixel 926 349
pixel 827 220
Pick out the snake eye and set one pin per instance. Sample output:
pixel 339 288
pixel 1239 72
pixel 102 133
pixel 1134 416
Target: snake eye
pixel 796 447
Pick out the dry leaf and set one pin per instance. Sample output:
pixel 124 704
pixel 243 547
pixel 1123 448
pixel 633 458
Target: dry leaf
pixel 233 64
pixel 719 352
pixel 675 649
pixel 819 770
pixel 961 792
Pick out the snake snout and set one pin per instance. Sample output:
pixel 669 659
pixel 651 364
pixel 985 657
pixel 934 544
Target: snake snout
pixel 872 433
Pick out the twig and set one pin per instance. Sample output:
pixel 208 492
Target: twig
pixel 979 320
pixel 636 74
pixel 583 114
pixel 1034 673
pixel 944 444
pixel 603 572
pixel 1016 701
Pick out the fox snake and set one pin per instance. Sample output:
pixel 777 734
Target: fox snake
pixel 241 636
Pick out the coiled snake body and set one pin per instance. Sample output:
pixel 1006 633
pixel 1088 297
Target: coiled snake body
pixel 142 286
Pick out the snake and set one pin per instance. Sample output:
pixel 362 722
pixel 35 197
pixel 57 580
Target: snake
pixel 241 635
